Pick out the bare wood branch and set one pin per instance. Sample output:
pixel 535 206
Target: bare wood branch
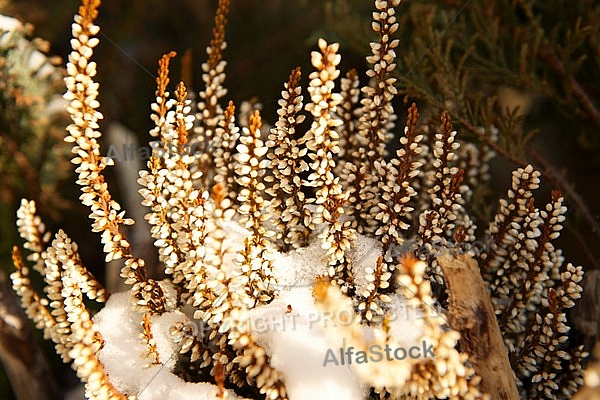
pixel 472 314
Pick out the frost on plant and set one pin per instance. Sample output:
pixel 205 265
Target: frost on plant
pixel 282 250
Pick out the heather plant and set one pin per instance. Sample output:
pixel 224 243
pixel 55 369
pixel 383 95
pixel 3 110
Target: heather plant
pixel 295 220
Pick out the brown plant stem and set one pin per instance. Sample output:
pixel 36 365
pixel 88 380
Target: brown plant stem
pixel 472 314
pixel 549 57
pixel 489 142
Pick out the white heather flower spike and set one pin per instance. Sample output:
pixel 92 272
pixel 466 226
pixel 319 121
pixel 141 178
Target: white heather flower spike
pixel 255 257
pixel 210 113
pixel 107 217
pixel 349 111
pixel 33 231
pixel 68 325
pixel 446 219
pixel 291 218
pixel 224 144
pixel 322 143
pixel 397 188
pixel 376 117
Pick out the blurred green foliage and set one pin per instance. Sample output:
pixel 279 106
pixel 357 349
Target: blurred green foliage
pixel 33 159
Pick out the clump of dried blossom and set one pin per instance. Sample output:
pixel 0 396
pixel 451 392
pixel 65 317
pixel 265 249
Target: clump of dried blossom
pixel 209 215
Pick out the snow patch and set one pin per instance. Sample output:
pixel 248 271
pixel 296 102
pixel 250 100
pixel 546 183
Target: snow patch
pixel 295 332
pixel 297 343
pixel 123 355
